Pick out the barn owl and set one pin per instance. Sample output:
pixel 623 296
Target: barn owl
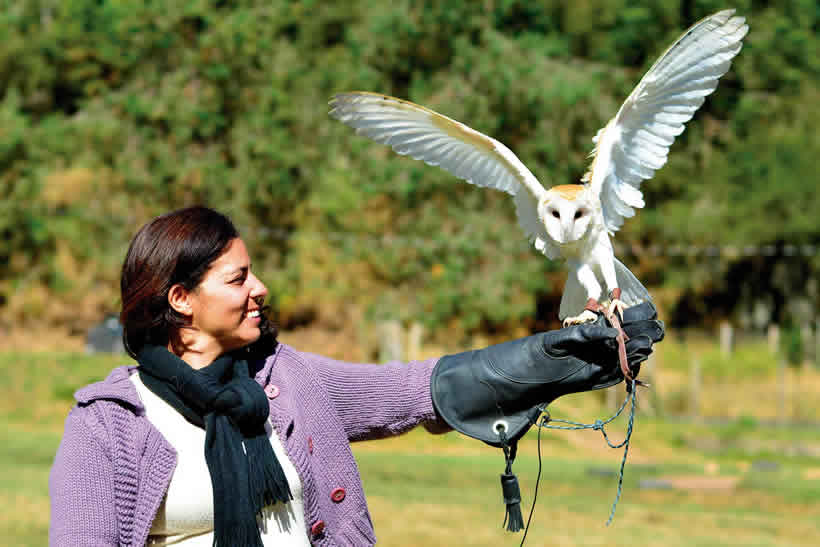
pixel 571 221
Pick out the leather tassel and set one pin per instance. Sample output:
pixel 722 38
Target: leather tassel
pixel 514 520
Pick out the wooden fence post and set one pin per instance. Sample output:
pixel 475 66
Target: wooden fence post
pixel 726 338
pixel 414 337
pixel 390 346
pixel 817 343
pixel 806 340
pixel 781 389
pixel 654 394
pixel 612 398
pixel 773 338
pixel 694 388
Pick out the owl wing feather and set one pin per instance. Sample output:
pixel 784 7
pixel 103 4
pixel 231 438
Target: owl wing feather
pixel 635 143
pixel 425 135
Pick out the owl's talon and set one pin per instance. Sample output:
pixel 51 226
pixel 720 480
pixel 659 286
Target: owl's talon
pixel 617 305
pixel 586 316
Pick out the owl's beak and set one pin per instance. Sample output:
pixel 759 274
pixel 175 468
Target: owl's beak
pixel 566 232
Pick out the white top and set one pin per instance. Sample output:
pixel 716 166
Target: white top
pixel 186 514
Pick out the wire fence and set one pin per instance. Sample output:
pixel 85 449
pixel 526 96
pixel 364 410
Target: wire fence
pixel 518 243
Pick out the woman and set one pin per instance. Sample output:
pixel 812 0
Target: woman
pixel 221 435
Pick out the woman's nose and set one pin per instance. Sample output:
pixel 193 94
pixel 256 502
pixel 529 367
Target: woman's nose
pixel 258 289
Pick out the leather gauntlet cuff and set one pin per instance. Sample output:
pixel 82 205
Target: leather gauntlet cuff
pixel 472 405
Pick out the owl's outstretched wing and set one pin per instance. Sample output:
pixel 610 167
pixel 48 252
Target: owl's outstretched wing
pixel 422 134
pixel 635 143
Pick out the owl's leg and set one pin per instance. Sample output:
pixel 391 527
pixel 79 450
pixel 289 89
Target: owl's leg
pixel 611 281
pixel 614 312
pixel 583 279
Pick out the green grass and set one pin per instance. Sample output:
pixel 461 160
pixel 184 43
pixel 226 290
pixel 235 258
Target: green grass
pixel 458 501
pixel 39 387
pixel 444 490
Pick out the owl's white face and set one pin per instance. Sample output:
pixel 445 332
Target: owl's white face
pixel 566 220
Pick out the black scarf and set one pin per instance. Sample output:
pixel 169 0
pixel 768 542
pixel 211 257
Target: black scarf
pixel 224 399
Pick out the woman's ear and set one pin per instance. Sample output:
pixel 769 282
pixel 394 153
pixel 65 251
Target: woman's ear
pixel 179 298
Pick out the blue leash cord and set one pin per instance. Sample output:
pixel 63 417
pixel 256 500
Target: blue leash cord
pixel 598 425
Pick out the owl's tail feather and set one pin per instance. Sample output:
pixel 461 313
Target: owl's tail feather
pixel 632 291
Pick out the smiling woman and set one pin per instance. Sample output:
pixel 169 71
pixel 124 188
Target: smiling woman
pixel 224 436
pixel 166 262
pixel 209 304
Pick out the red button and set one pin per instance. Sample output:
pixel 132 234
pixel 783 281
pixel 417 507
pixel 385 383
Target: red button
pixel 310 445
pixel 338 495
pixel 272 391
pixel 317 528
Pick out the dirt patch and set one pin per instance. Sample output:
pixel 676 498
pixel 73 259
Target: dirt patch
pixel 812 474
pixel 697 482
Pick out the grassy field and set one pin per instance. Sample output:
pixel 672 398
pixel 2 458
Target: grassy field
pixel 742 482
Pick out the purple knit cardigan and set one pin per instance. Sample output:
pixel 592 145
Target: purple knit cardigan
pixel 113 467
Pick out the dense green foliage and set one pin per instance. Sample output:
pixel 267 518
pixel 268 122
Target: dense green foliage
pixel 114 111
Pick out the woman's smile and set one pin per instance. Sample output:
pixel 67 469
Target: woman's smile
pixel 254 315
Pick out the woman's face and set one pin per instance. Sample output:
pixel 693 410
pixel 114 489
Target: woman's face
pixel 226 305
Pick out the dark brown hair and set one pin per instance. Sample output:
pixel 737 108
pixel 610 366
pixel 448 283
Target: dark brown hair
pixel 177 247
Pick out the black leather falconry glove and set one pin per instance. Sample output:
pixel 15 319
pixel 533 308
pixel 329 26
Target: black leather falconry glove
pixel 481 392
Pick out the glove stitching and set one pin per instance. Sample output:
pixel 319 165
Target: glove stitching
pixel 540 380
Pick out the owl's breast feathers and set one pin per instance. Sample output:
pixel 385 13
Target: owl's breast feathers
pixel 581 249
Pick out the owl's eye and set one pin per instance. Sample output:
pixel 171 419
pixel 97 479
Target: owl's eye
pixel 556 214
pixel 579 213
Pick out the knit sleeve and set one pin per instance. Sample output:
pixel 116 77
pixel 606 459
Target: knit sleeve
pixel 377 401
pixel 81 488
